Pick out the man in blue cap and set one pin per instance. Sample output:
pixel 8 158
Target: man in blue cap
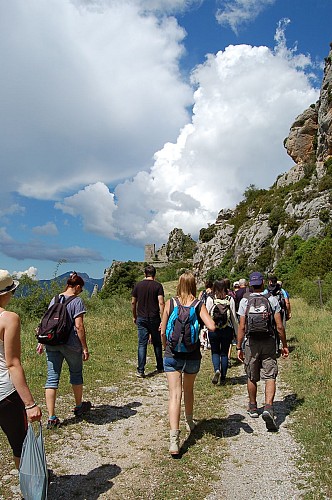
pixel 258 331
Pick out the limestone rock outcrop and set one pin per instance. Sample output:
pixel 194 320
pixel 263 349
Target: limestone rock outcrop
pixel 180 246
pixel 301 142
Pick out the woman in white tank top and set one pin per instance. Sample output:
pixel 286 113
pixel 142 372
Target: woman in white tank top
pixel 16 402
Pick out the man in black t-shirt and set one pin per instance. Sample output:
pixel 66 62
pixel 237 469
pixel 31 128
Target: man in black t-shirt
pixel 147 304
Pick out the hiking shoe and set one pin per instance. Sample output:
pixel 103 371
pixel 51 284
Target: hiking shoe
pixel 252 410
pixel 222 381
pixel 190 423
pixel 174 442
pixel 140 374
pixel 53 423
pixel 215 377
pixel 85 407
pixel 269 420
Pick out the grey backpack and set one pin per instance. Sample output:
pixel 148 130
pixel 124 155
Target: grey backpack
pixel 259 316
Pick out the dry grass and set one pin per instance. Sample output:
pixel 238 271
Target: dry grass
pixel 309 373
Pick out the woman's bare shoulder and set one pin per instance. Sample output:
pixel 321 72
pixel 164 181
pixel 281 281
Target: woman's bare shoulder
pixel 10 317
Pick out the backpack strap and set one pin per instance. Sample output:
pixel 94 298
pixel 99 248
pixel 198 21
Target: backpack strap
pixel 253 295
pixel 70 299
pixel 66 300
pixel 195 303
pixel 173 301
pixel 176 300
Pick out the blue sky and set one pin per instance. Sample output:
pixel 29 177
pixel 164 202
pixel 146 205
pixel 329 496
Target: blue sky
pixel 122 120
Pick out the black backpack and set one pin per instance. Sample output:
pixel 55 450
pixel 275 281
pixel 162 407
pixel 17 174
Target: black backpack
pixel 182 331
pixel 56 324
pixel 259 316
pixel 276 291
pixel 205 295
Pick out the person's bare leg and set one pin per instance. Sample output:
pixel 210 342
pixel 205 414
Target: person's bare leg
pixel 252 391
pixel 50 396
pixel 78 393
pixel 174 380
pixel 270 390
pixel 188 392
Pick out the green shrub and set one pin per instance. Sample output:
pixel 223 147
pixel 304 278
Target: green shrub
pixel 124 277
pixel 223 270
pixel 328 166
pixel 325 183
pixel 31 299
pixel 290 223
pixel 276 217
pixel 309 168
pixel 267 207
pixel 265 258
pixel 252 193
pixel 206 234
pixel 172 271
pixel 281 242
pixel 241 267
pixel 324 215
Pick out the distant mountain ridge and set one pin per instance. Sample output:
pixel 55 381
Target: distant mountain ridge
pixel 89 283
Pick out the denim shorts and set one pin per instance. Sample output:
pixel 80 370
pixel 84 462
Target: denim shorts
pixel 55 356
pixel 189 366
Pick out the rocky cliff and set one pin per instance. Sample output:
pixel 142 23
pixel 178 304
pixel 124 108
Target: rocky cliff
pixel 299 203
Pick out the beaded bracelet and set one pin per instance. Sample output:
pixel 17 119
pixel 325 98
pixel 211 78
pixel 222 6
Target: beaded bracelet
pixel 31 406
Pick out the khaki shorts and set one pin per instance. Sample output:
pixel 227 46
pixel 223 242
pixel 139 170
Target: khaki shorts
pixel 260 359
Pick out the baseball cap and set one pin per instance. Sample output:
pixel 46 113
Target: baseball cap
pixel 256 278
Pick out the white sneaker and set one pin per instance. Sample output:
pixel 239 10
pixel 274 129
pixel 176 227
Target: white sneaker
pixel 215 377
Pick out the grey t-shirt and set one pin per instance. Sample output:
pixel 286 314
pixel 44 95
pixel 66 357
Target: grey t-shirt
pixel 273 301
pixel 74 308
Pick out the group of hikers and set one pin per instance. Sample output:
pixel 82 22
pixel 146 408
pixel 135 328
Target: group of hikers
pixel 250 316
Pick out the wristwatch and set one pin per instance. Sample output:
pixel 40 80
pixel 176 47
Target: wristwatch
pixel 238 348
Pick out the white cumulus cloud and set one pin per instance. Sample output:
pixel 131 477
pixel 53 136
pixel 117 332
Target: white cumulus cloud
pixel 31 272
pixel 95 205
pixel 246 99
pixel 48 229
pixel 89 92
pixel 237 12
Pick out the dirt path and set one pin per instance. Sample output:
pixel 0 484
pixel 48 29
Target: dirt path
pixel 260 464
pixel 113 453
pixel 116 452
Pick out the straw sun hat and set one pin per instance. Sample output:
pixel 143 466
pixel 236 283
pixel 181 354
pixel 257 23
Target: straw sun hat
pixel 7 284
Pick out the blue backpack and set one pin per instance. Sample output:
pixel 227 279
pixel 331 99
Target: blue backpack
pixel 182 331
